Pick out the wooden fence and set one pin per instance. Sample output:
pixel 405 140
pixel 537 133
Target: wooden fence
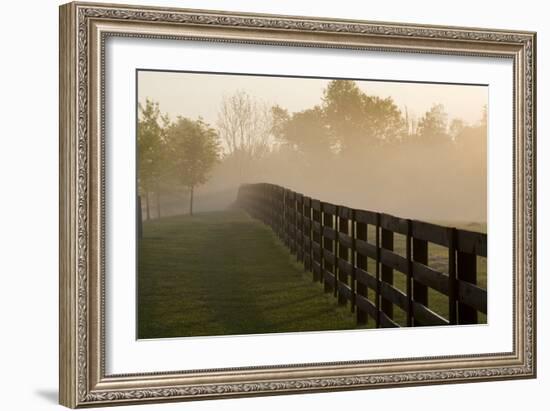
pixel 332 242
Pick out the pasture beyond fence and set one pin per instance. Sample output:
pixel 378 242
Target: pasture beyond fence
pixel 332 242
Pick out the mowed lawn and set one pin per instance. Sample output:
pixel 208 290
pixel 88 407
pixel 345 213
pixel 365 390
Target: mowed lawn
pixel 223 273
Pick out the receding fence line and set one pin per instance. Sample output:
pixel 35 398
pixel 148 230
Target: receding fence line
pixel 332 242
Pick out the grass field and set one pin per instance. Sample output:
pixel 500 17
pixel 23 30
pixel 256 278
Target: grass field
pixel 223 273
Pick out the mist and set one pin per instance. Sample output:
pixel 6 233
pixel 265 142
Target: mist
pixel 425 183
pixel 347 147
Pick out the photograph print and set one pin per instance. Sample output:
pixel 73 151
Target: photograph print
pixel 279 204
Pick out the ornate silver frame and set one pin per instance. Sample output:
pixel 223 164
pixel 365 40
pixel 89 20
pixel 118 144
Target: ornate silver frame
pixel 83 30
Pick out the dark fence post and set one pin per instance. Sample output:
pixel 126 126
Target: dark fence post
pixel 295 223
pixel 343 253
pixel 317 238
pixel 453 286
pixel 378 269
pixel 299 233
pixel 328 245
pixel 387 272
pixel 273 208
pixel 409 275
pixel 353 282
pixel 281 201
pixel 276 210
pixel 285 217
pixel 280 210
pixel 307 234
pixel 420 291
pixel 361 261
pixel 466 271
pixel 290 220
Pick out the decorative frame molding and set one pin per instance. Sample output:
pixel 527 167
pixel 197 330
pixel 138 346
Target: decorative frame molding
pixel 83 30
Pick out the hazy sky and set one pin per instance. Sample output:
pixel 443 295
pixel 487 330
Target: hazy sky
pixel 193 94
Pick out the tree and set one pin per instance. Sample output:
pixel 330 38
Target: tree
pixel 194 150
pixel 385 124
pixel 432 127
pixel 304 131
pixel 473 139
pixel 356 119
pixel 456 127
pixel 343 106
pixel 150 141
pixel 244 125
pixel 280 118
pixel 483 121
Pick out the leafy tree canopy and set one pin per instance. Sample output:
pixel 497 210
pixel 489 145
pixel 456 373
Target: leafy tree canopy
pixel 194 150
pixel 356 119
pixel 304 131
pixel 150 141
pixel 432 127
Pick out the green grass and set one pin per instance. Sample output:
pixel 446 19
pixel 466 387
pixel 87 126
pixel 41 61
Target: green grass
pixel 223 273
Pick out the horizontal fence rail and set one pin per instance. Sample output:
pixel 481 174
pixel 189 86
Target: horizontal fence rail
pixel 334 244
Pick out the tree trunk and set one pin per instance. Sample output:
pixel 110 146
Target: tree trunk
pixel 147 212
pixel 158 203
pixel 191 192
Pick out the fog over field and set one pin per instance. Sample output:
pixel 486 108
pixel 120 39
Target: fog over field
pixel 408 149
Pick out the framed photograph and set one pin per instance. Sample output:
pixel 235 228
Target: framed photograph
pixel 260 204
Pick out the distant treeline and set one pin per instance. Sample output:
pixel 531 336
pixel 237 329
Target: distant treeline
pixel 349 131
